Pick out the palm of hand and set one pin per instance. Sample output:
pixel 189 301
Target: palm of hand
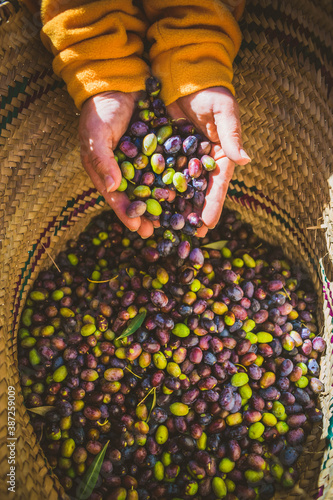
pixel 215 113
pixel 104 119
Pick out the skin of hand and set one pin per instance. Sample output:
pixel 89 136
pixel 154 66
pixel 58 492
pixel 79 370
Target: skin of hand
pixel 214 112
pixel 103 121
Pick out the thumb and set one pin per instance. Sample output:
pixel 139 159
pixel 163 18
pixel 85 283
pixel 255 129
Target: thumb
pixel 229 132
pixel 176 113
pixel 103 163
pixel 217 187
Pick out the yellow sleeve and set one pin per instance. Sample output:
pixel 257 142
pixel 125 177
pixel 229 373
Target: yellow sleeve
pixel 97 45
pixel 194 43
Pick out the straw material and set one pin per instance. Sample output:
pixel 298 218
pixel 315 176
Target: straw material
pixel 283 78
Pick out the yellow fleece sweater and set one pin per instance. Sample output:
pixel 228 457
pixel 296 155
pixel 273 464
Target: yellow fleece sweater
pixel 97 45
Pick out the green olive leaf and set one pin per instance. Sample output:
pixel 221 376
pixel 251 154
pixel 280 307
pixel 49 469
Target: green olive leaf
pixel 216 245
pixel 41 410
pixel 87 484
pixel 134 325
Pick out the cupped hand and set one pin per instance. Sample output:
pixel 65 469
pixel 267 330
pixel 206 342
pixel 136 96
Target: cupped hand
pixel 104 120
pixel 214 112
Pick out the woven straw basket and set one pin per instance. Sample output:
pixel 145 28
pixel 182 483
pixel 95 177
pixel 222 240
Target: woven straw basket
pixel 284 75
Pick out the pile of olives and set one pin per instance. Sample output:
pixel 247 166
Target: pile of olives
pixel 165 166
pixel 200 367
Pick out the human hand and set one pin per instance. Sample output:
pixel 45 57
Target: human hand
pixel 214 112
pixel 104 120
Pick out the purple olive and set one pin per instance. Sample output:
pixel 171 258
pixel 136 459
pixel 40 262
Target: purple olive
pixel 173 144
pixel 128 148
pixel 140 129
pixel 136 209
pixel 190 145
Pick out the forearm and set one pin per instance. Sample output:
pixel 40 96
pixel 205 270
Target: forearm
pixel 194 44
pixel 97 45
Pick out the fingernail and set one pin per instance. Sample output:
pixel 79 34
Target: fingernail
pixel 109 183
pixel 244 155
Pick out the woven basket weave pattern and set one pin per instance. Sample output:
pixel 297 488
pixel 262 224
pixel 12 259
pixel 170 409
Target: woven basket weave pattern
pixel 284 76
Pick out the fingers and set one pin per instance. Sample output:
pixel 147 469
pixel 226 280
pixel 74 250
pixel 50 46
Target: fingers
pixel 227 121
pixel 172 195
pixel 104 165
pixel 217 187
pixel 202 231
pixel 118 201
pixel 146 229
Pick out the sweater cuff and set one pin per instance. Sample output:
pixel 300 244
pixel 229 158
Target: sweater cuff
pixel 93 77
pixel 184 71
pixel 194 43
pixel 97 45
